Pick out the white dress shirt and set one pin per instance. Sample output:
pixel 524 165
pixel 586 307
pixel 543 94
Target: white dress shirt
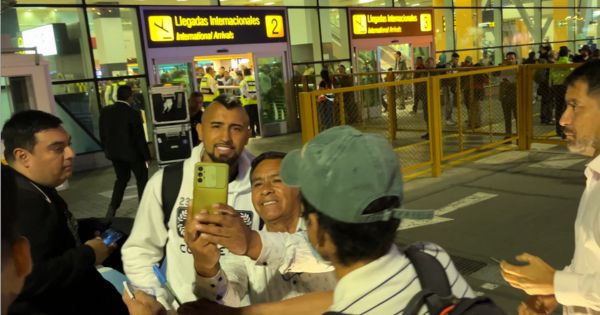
pixel 577 287
pixel 387 284
pixel 242 281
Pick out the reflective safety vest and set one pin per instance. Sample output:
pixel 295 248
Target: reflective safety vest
pixel 206 88
pixel 250 93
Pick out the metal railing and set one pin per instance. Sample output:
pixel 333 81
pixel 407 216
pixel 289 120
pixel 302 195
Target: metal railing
pixel 436 119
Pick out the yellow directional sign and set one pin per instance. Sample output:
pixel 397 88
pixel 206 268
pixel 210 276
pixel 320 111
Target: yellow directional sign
pixel 426 24
pixel 161 28
pixel 274 26
pixel 359 24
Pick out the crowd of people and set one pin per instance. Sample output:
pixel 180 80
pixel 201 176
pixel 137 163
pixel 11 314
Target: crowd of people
pixel 308 232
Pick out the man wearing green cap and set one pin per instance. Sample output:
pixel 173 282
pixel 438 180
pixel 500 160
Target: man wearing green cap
pixel 351 187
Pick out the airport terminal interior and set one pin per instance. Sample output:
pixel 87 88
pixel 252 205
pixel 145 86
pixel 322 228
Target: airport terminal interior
pixel 475 130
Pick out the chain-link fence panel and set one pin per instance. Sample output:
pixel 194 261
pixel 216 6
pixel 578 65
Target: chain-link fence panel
pixel 547 99
pixel 478 109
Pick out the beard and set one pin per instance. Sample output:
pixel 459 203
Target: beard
pixel 229 160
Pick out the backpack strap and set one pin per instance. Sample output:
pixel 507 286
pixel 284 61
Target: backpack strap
pixel 436 292
pixel 171 184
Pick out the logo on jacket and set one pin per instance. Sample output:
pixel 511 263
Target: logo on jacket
pixel 180 220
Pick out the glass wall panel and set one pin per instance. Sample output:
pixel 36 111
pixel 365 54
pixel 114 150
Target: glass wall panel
pixel 304 35
pixel 42 2
pixel 588 24
pixel 557 24
pixel 334 34
pixel 520 26
pixel 108 95
pixel 287 3
pixel 155 2
pixel 444 30
pixel 58 33
pixel 477 28
pixel 80 101
pixel 355 3
pixel 109 26
pixel 413 3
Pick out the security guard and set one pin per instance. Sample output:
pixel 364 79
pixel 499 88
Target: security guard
pixel 249 98
pixel 208 86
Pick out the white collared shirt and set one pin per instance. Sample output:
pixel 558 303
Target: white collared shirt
pixel 387 284
pixel 242 281
pixel 577 286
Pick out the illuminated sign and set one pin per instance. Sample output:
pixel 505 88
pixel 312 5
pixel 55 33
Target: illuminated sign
pixel 391 23
pixel 196 27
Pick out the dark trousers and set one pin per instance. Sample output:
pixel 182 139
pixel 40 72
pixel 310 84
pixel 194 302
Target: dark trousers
pixel 508 99
pixel 558 93
pixel 252 111
pixel 123 171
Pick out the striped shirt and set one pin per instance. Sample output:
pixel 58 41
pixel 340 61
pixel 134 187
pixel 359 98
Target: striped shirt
pixel 387 284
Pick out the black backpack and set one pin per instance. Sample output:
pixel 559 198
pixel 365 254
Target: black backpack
pixel 437 292
pixel 171 184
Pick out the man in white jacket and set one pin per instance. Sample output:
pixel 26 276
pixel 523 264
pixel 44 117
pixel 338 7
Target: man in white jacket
pixel 224 133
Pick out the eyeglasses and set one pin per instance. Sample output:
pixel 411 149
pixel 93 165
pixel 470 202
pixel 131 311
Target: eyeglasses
pixel 290 275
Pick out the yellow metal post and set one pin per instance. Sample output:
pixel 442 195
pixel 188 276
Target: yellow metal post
pixel 340 98
pixel 459 118
pixel 308 115
pixel 524 106
pixel 391 106
pixel 434 104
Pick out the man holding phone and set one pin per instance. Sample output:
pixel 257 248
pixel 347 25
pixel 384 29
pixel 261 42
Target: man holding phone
pixel 224 133
pixel 64 279
pixel 577 286
pixel 228 282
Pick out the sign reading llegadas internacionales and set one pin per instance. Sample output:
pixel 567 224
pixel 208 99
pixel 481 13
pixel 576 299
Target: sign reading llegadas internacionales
pixel 391 23
pixel 202 26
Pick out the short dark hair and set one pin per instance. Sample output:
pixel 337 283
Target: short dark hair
pixel 124 92
pixel 269 155
pixel 9 212
pixel 455 55
pixel 19 131
pixel 247 71
pixel 196 94
pixel 227 100
pixel 511 53
pixel 588 72
pixel 359 241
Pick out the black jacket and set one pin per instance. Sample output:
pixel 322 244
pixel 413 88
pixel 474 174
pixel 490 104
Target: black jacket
pixel 64 279
pixel 122 133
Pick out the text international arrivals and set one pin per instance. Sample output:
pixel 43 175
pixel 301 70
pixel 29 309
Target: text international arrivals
pixel 376 19
pixel 190 22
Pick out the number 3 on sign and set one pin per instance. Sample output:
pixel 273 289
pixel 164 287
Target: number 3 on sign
pixel 274 26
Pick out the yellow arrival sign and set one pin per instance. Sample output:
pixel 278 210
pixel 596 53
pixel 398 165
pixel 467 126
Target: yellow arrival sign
pixel 161 28
pixel 274 26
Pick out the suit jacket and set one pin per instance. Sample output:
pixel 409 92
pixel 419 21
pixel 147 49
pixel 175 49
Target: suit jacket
pixel 122 133
pixel 64 279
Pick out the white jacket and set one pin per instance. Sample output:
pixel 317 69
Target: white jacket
pixel 149 237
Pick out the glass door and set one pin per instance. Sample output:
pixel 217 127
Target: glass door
pixel 271 75
pixel 176 73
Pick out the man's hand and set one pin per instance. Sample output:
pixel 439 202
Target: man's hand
pixel 203 306
pixel 143 304
pixel 100 249
pixel 206 255
pixel 536 278
pixel 538 304
pixel 226 228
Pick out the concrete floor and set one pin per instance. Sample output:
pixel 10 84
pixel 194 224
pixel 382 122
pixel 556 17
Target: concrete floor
pixel 498 206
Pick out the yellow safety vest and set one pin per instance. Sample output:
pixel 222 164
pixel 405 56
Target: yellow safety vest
pixel 251 91
pixel 206 89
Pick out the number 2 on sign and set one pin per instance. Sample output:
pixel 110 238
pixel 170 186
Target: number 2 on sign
pixel 274 26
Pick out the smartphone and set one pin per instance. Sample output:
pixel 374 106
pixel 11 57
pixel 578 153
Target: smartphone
pixel 210 185
pixel 111 236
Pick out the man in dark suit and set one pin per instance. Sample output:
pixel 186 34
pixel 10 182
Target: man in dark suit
pixel 64 279
pixel 124 143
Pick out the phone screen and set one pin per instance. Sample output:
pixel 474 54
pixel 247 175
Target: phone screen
pixel 111 236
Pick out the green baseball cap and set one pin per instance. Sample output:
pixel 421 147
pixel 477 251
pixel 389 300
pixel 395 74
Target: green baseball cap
pixel 342 170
